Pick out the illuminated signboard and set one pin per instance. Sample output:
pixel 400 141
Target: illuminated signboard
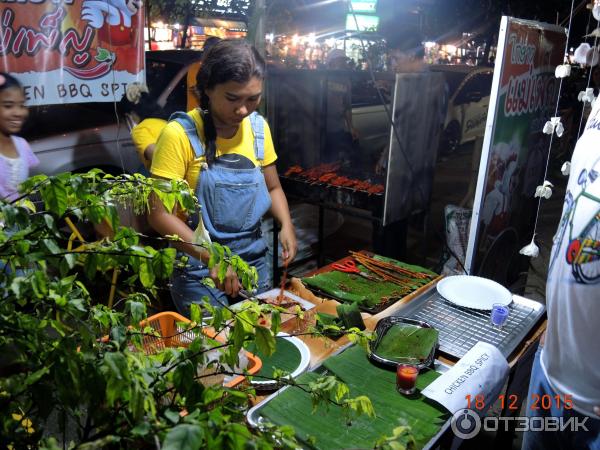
pixel 365 23
pixel 365 6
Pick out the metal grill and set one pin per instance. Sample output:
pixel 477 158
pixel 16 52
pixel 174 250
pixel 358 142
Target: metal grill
pixel 460 328
pixel 335 196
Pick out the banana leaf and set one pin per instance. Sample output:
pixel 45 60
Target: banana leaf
pixel 286 357
pixel 404 342
pixel 329 427
pixel 369 295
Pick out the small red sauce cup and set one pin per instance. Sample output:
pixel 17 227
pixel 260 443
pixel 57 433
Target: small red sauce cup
pixel 406 378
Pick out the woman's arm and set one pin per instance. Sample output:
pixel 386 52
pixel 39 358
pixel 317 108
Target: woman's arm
pixel 281 212
pixel 149 152
pixel 166 223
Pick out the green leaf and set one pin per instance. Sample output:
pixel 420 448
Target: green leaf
pixel 115 366
pixel 172 415
pixel 184 437
pixel 239 334
pixel 275 321
pixel 184 374
pixel 104 442
pixel 35 376
pixel 54 195
pixel 22 247
pixel 51 224
pixel 71 260
pixel 52 246
pixel 146 274
pixel 91 265
pixel 96 213
pixel 162 262
pixel 119 334
pixel 195 313
pixel 137 310
pixel 141 429
pixel 39 284
pixel 217 318
pixel 222 272
pixel 265 341
pixel 167 199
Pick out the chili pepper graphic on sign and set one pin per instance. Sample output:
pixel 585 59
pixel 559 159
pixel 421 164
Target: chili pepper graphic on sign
pixel 105 60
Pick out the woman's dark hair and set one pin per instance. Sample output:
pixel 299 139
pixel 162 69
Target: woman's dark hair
pixel 145 108
pixel 209 43
pixel 7 81
pixel 228 60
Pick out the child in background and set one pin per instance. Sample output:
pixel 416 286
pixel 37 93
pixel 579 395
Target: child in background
pixel 150 119
pixel 16 157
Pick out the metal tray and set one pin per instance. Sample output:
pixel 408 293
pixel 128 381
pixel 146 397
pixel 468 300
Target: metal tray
pixel 382 328
pixel 461 328
pixel 255 419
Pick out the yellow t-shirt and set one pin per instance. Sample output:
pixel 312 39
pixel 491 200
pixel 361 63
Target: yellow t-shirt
pixel 174 157
pixel 146 133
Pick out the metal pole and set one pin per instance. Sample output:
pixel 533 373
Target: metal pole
pixel 259 38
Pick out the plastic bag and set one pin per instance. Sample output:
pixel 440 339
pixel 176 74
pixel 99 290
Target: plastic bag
pixel 458 221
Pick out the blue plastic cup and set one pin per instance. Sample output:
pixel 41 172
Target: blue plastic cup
pixel 499 315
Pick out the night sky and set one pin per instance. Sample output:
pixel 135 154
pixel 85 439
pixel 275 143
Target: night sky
pixel 441 20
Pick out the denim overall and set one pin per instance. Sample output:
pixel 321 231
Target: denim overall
pixel 233 202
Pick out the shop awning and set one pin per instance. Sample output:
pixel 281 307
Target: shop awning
pixel 220 23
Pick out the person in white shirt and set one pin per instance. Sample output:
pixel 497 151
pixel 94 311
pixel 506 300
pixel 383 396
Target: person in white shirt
pixel 565 380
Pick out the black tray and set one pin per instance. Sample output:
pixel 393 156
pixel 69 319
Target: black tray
pixel 382 328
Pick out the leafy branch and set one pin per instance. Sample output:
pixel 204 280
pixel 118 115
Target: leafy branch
pixel 69 362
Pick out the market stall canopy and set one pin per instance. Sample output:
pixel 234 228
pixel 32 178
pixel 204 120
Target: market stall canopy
pixel 219 23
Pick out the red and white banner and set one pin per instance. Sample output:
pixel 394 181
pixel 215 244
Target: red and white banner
pixel 72 51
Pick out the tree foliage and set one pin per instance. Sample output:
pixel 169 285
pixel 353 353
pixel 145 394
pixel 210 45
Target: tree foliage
pixel 75 373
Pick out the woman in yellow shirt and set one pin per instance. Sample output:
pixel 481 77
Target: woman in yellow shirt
pixel 227 156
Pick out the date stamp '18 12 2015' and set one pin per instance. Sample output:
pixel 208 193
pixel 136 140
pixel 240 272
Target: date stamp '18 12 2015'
pixel 512 403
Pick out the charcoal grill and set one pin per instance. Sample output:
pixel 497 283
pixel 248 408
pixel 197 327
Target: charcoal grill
pixel 333 196
pixel 297 105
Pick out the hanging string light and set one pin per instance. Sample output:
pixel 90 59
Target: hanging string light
pixel 553 126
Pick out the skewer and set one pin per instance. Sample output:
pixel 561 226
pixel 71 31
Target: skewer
pixel 390 267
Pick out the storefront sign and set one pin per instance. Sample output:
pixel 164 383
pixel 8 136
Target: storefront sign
pixel 72 51
pixel 514 154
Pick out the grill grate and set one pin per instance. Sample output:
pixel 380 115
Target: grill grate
pixel 460 328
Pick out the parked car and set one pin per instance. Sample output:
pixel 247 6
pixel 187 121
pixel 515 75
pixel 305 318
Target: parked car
pixel 81 136
pixel 467 110
pixel 369 116
pixel 468 89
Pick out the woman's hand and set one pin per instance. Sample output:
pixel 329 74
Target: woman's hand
pixel 281 212
pixel 289 245
pixel 231 283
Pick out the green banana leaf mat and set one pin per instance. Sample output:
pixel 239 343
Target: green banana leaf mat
pixel 286 357
pixel 328 428
pixel 370 296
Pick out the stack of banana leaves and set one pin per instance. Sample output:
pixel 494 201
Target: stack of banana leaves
pixel 389 280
